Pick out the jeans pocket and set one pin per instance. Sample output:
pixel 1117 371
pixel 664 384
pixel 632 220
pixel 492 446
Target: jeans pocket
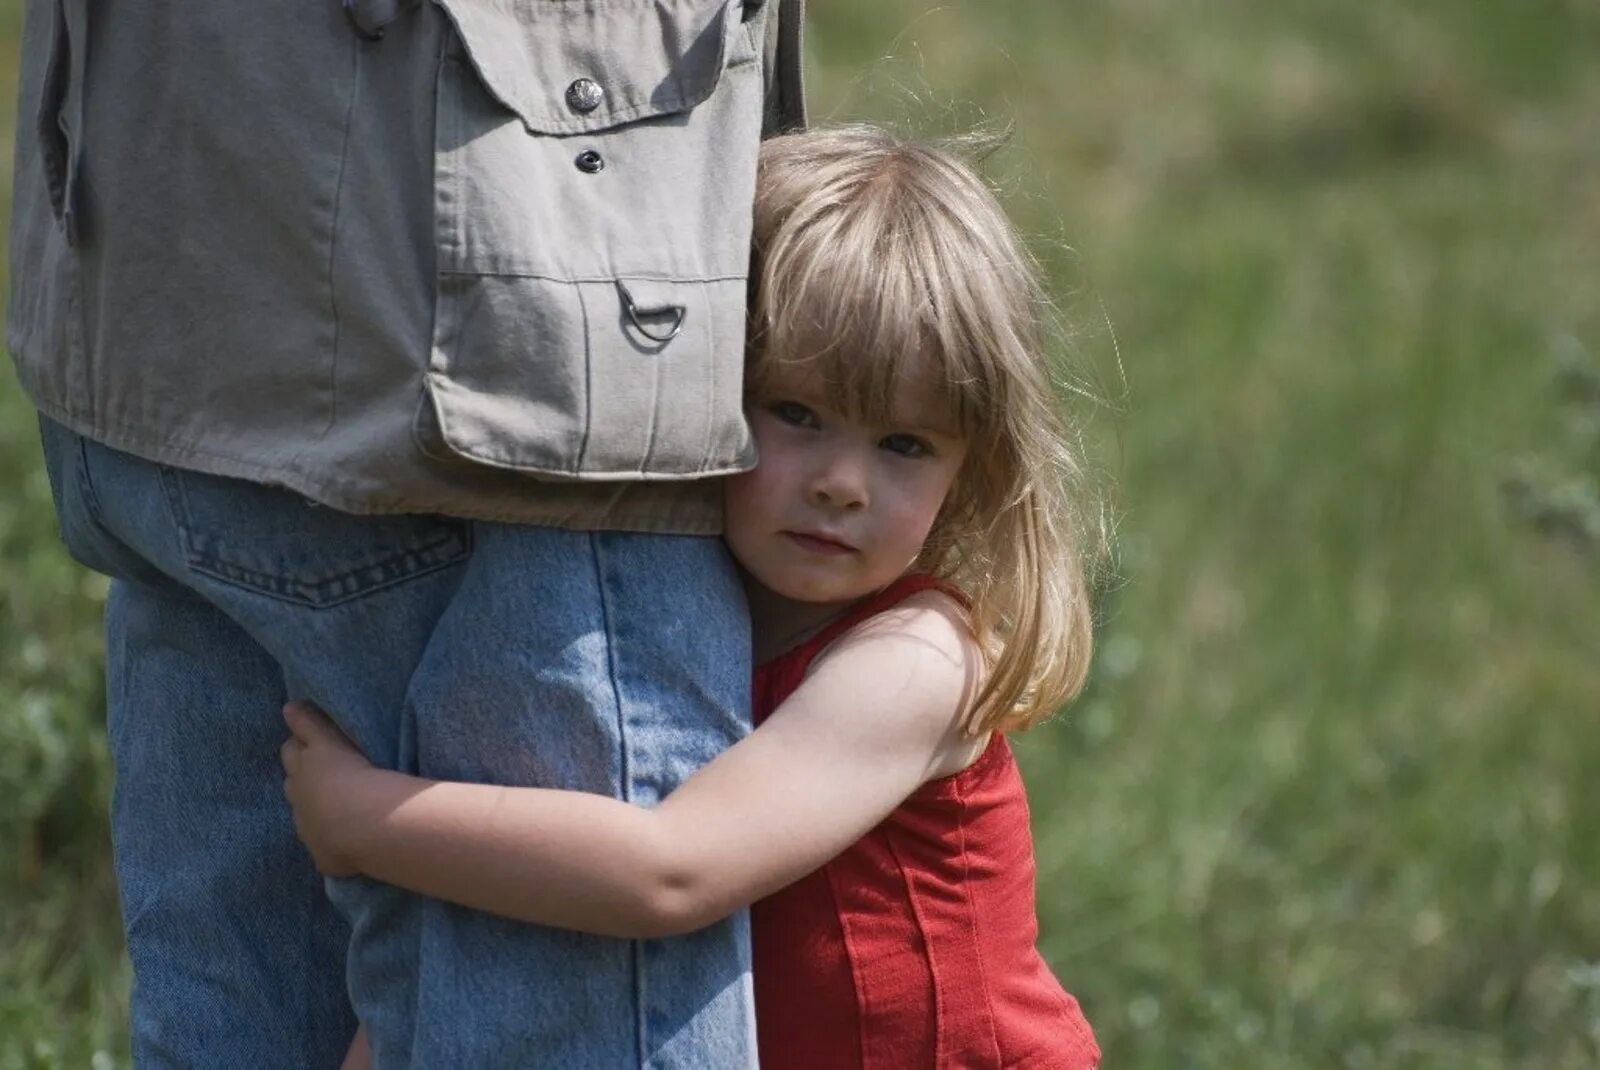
pixel 276 543
pixel 594 173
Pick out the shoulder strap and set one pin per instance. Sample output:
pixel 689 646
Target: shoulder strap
pixel 785 68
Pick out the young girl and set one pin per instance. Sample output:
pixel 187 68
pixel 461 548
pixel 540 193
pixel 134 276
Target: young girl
pixel 916 584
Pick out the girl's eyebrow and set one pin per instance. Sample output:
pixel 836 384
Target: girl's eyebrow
pixel 949 433
pixel 924 424
pixel 778 388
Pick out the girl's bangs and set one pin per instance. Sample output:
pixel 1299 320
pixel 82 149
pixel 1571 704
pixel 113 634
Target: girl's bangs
pixel 865 303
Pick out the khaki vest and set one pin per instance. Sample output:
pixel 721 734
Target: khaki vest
pixel 477 257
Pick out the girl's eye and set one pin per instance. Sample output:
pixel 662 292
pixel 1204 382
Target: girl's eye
pixel 906 445
pixel 792 412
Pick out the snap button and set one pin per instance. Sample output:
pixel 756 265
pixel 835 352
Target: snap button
pixel 585 95
pixel 590 162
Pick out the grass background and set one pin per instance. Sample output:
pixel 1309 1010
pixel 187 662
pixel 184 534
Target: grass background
pixel 1330 799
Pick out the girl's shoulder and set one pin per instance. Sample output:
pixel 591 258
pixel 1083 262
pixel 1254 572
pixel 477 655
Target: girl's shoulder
pixel 928 623
pixel 915 667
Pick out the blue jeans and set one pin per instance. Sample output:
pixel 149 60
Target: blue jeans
pixel 606 662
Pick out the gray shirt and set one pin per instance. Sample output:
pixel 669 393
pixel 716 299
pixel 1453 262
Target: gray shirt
pixel 490 263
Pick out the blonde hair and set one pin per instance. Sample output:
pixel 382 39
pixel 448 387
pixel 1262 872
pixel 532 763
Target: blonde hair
pixel 869 249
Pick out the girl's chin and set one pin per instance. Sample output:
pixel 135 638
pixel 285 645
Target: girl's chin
pixel 812 590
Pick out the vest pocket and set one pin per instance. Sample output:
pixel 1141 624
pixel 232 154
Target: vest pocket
pixel 594 169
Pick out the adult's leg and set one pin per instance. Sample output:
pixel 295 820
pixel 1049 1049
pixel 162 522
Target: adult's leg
pixel 237 954
pixel 604 662
pixel 614 663
pixel 228 598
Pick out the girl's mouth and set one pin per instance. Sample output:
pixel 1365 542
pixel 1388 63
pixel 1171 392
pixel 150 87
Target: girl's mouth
pixel 819 544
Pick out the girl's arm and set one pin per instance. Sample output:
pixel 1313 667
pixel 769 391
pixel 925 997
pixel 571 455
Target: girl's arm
pixel 359 1057
pixel 878 716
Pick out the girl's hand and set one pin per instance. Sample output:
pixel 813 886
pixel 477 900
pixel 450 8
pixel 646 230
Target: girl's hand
pixel 322 769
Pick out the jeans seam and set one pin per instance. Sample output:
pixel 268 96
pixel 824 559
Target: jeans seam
pixel 624 781
pixel 91 500
pixel 606 619
pixel 177 509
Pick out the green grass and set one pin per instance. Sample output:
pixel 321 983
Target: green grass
pixel 1328 802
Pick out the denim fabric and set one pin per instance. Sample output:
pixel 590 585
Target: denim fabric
pixel 607 662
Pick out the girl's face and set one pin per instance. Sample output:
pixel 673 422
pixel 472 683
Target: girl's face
pixel 836 509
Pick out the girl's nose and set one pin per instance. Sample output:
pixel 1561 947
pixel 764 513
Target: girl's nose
pixel 840 483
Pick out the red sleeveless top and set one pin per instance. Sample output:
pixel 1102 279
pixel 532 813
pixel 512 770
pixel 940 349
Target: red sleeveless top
pixel 916 946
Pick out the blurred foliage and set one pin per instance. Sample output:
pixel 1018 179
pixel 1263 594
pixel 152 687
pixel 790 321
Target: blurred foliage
pixel 1328 801
pixel 1559 491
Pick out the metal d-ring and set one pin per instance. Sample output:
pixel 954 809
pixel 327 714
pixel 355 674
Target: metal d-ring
pixel 677 312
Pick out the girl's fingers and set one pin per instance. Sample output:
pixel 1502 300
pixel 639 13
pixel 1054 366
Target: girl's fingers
pixel 295 717
pixel 310 727
pixel 307 722
pixel 298 712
